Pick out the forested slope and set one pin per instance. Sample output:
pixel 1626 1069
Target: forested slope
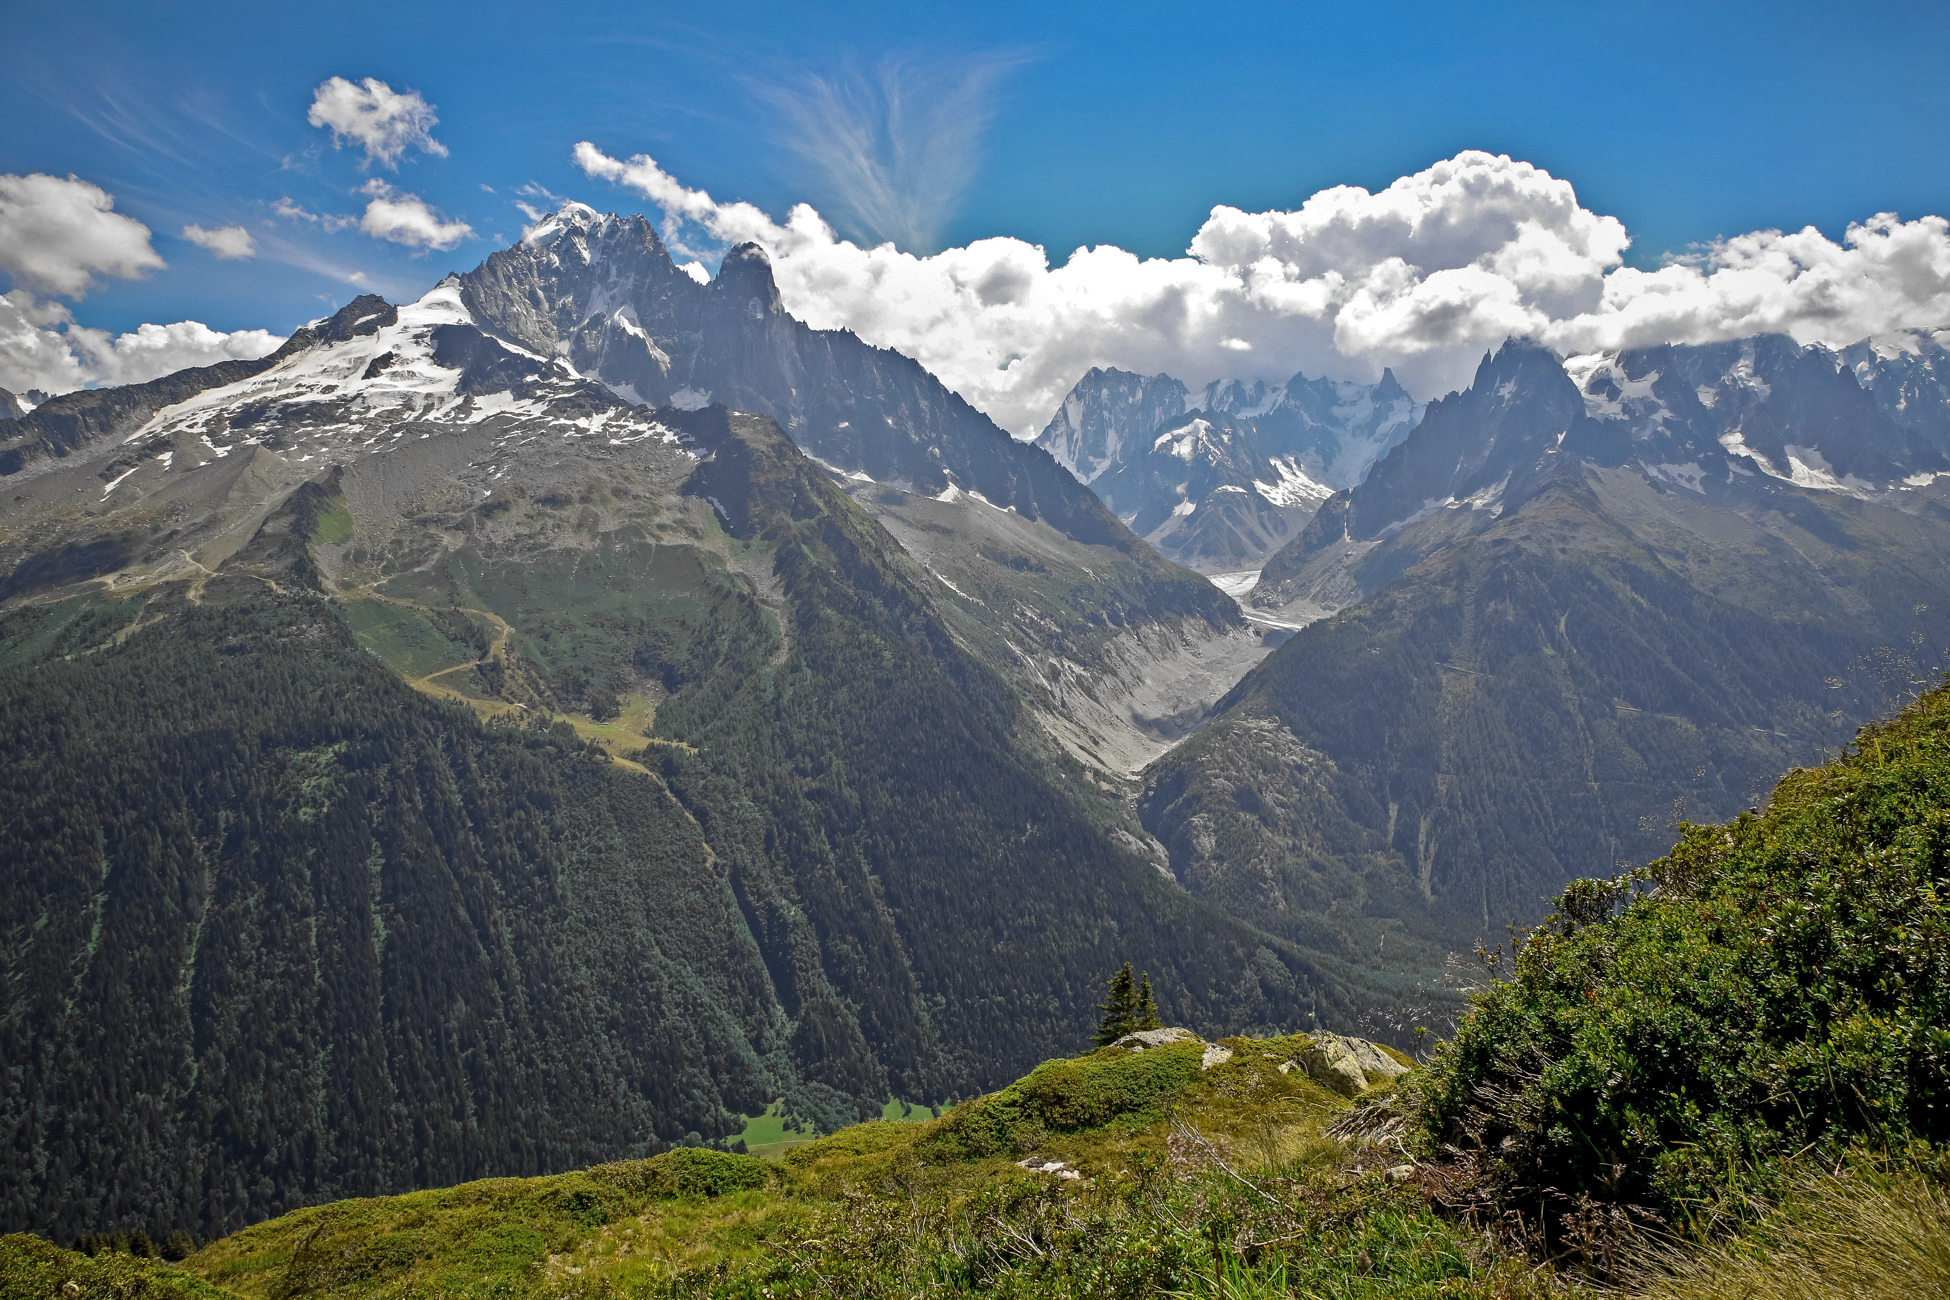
pixel 281 928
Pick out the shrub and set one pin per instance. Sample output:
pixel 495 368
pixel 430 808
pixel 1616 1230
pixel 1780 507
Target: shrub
pixel 687 1172
pixel 33 1269
pixel 1065 1096
pixel 1774 985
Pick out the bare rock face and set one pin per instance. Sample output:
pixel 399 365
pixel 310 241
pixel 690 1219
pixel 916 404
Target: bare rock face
pixel 1375 1063
pixel 1217 478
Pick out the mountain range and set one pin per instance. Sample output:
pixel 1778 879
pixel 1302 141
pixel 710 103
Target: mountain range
pixel 1584 599
pixel 549 720
pixel 427 760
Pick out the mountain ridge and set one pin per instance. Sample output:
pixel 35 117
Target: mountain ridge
pixel 300 669
pixel 1550 616
pixel 1221 479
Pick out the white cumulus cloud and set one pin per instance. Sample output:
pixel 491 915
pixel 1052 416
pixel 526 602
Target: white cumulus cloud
pixel 152 351
pixel 1423 276
pixel 33 353
pixel 232 242
pixel 386 122
pixel 406 219
pixel 57 235
pixel 42 347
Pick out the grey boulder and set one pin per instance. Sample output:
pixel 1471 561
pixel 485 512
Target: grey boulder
pixel 1144 1038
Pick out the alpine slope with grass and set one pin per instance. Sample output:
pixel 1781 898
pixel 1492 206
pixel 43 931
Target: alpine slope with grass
pixel 1157 1164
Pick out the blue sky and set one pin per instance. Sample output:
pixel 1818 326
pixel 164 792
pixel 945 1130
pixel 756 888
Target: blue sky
pixel 1065 125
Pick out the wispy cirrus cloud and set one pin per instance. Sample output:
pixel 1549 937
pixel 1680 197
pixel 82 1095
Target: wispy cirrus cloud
pixel 291 211
pixel 894 147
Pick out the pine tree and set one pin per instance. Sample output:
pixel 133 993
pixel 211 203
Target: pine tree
pixel 1145 1016
pixel 1120 1008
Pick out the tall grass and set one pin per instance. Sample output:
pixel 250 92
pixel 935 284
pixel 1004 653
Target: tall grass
pixel 1860 1233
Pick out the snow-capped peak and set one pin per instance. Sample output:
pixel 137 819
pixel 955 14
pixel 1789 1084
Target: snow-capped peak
pixel 1187 441
pixel 419 371
pixel 570 216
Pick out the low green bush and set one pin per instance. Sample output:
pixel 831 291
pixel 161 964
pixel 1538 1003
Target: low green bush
pixel 1774 986
pixel 687 1171
pixel 1065 1096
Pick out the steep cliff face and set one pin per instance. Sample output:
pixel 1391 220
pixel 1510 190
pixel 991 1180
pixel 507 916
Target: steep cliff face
pixel 1719 424
pixel 601 292
pixel 1107 414
pixel 1208 493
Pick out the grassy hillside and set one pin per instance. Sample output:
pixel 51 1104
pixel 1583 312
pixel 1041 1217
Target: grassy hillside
pixel 1161 1176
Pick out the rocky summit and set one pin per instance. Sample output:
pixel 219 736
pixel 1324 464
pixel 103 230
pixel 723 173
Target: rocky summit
pixel 1220 479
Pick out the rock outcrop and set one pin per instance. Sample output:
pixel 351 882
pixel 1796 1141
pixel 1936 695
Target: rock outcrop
pixel 1144 1038
pixel 1349 1066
